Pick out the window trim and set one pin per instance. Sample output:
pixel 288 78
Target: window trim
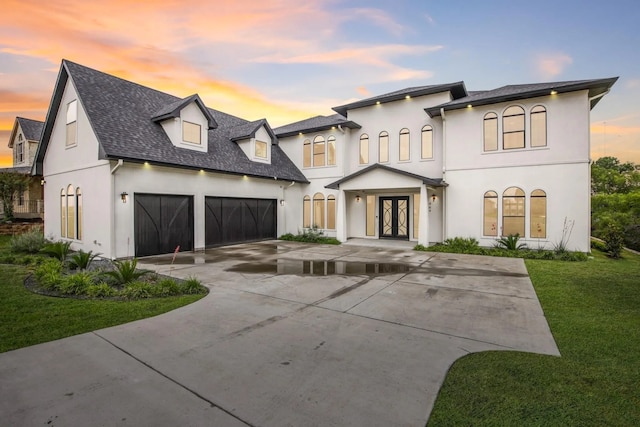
pixel 490 194
pixel 364 138
pixel 383 134
pixel 484 131
pixel 331 199
pixel 531 115
pixel 424 131
pixel 331 148
pixel 319 141
pixel 509 132
pixel 400 134
pixel 72 108
pixel 317 199
pixel 266 149
pixel 306 153
pixel 523 198
pixel 306 211
pixel 533 196
pixel 186 122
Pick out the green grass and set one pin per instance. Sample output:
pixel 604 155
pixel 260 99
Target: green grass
pixel 593 309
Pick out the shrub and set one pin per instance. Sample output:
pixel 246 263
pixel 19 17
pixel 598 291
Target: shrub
pixel 632 236
pixel 101 290
pixel 598 245
pixel 126 272
pixel 76 284
pixel 192 286
pixel 463 244
pixel 49 274
pixel 58 250
pixel 30 242
pixel 510 242
pixel 81 260
pixel 614 240
pixel 137 290
pixel 420 247
pixel 165 287
pixel 310 235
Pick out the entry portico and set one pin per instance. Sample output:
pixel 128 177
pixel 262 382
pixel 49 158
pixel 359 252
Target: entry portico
pixel 383 202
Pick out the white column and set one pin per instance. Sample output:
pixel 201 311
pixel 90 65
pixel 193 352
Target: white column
pixel 423 224
pixel 341 217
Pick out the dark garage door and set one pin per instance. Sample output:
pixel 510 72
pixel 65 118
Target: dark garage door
pixel 163 222
pixel 231 220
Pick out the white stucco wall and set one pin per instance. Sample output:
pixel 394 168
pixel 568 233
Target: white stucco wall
pixel 173 128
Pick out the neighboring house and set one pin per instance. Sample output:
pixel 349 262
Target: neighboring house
pixel 24 140
pixel 133 171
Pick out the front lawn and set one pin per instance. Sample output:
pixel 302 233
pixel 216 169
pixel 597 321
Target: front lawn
pixel 593 309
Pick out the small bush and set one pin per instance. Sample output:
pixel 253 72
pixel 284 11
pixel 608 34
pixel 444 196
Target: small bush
pixel 510 242
pixel 76 284
pixel 310 235
pixel 632 236
pixel 598 245
pixel 165 288
pixel 420 247
pixel 30 242
pixel 81 260
pixel 614 241
pixel 101 290
pixel 192 286
pixel 463 245
pixel 58 250
pixel 125 272
pixel 137 290
pixel 49 274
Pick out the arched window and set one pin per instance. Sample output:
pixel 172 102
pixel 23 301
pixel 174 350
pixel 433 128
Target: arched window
pixel 63 213
pixel 383 147
pixel 513 210
pixel 79 212
pixel 331 212
pixel 319 150
pixel 538 126
pixel 331 150
pixel 306 212
pixel 490 227
pixel 318 210
pixel 490 132
pixel 364 149
pixel 427 142
pixel 71 212
pixel 513 128
pixel 538 214
pixel 306 154
pixel 405 149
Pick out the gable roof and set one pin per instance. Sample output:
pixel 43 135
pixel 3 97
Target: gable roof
pixel 457 90
pixel 523 91
pixel 249 129
pixel 315 124
pixel 433 182
pixel 173 110
pixel 121 115
pixel 30 128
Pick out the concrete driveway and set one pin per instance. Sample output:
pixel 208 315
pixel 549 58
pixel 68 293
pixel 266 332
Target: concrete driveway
pixel 289 335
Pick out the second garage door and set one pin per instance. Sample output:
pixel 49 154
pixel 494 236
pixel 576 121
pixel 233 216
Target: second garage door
pixel 236 220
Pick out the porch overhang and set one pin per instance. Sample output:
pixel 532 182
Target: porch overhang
pixel 383 177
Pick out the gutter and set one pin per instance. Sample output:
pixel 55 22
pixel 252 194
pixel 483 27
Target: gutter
pixel 112 213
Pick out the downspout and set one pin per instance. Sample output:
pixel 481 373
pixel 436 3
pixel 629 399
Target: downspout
pixel 112 207
pixel 444 173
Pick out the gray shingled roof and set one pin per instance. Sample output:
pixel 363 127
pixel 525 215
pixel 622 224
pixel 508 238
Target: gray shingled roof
pixel 31 128
pixel 433 182
pixel 457 90
pixel 515 92
pixel 249 129
pixel 173 110
pixel 121 115
pixel 315 124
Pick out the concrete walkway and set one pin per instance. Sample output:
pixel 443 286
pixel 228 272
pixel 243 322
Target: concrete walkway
pixel 289 335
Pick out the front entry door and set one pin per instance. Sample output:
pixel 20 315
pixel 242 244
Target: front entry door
pixel 394 217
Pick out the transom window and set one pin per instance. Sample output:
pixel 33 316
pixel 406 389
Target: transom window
pixel 427 142
pixel 261 149
pixel 72 123
pixel 513 128
pixel 383 147
pixel 191 132
pixel 405 148
pixel 364 149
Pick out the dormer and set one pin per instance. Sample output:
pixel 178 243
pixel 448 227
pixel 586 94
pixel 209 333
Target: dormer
pixel 24 139
pixel 187 122
pixel 255 140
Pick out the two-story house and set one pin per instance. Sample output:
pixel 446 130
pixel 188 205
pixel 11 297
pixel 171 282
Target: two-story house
pixel 133 171
pixel 23 141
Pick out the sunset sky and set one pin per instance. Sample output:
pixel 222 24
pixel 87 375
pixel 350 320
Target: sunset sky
pixel 289 59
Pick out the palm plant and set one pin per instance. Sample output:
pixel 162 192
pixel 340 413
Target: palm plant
pixel 510 242
pixel 126 272
pixel 81 260
pixel 58 250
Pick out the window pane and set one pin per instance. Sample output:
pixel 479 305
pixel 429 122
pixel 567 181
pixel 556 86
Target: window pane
pixel 404 144
pixel 513 128
pixel 331 151
pixel 318 210
pixel 490 227
pixel 383 147
pixel 72 131
pixel 306 212
pixel 79 207
pixel 513 140
pixel 538 127
pixel 306 154
pixel 427 142
pixel 364 149
pixel 63 213
pixel 331 212
pixel 71 213
pixel 416 215
pixel 318 151
pixel 261 149
pixel 491 132
pixel 538 214
pixel 513 210
pixel 72 111
pixel 371 215
pixel 191 132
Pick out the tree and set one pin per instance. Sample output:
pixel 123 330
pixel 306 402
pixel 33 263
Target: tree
pixel 11 183
pixel 609 176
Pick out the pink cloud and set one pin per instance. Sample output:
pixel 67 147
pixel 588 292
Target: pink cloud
pixel 551 65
